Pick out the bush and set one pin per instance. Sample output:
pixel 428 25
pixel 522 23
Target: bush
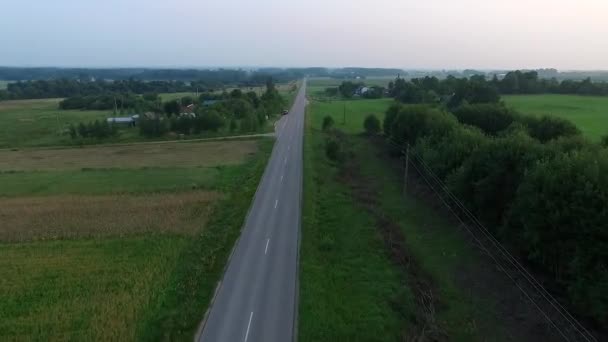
pixel 491 118
pixel 489 178
pixel 560 217
pixel 249 123
pixel 371 125
pixel 414 122
pixel 332 149
pixel 445 154
pixel 549 127
pixel 153 127
pixel 328 122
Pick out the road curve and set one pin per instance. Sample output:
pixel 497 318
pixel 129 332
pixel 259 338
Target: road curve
pixel 256 299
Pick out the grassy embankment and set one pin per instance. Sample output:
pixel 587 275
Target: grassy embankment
pixel 352 288
pixel 588 113
pixel 95 252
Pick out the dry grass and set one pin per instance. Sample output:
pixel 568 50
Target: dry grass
pixel 178 154
pixel 56 217
pixel 29 104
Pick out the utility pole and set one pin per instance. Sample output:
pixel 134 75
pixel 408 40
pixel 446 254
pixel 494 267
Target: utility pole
pixel 407 166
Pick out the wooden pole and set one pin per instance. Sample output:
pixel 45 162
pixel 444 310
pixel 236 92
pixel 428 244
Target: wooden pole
pixel 407 166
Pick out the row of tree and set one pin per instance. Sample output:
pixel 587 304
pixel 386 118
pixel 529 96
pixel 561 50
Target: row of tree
pixel 235 110
pixel 453 91
pixel 518 82
pixel 55 88
pixel 95 129
pixel 536 183
pixel 349 89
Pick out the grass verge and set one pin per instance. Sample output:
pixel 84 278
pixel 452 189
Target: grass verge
pixel 349 289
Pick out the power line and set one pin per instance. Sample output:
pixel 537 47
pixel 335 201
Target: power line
pixel 579 333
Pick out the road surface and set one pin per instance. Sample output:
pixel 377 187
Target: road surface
pixel 257 297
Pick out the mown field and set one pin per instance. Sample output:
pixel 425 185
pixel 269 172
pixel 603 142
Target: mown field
pixel 4 84
pixel 352 285
pixel 588 113
pixel 39 122
pixel 99 248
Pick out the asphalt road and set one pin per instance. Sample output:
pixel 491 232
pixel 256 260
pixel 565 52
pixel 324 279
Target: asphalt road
pixel 257 297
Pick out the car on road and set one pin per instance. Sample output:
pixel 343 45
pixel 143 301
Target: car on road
pixel 285 112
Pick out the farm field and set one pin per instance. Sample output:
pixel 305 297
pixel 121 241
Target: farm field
pixel 39 122
pixel 588 113
pixel 318 85
pixel 339 220
pixel 4 84
pixel 108 253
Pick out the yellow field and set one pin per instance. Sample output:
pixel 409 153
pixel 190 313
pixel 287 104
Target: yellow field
pixel 64 216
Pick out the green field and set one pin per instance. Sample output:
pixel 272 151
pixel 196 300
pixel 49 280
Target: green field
pixel 3 84
pixel 350 288
pixel 120 253
pixel 588 113
pixel 40 122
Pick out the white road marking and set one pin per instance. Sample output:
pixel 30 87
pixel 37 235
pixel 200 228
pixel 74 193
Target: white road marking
pixel 285 162
pixel 281 178
pixel 248 326
pixel 266 249
pixel 288 147
pixel 276 202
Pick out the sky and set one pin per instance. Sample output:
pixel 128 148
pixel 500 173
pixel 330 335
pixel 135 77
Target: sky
pixel 412 34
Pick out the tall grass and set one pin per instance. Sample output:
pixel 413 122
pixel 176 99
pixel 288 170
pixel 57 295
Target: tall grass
pixel 67 216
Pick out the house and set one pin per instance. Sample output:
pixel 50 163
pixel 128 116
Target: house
pixel 127 120
pixel 361 90
pixel 208 103
pixel 187 110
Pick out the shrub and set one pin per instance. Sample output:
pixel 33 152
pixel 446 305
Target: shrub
pixel 549 127
pixel 328 122
pixel 560 217
pixel 371 125
pixel 489 178
pixel 332 149
pixel 445 154
pixel 153 127
pixel 490 117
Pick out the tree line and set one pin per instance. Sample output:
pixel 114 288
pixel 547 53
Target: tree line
pixel 245 112
pixel 536 183
pixel 452 92
pixel 64 87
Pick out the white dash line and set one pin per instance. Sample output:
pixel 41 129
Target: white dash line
pixel 281 178
pixel 276 202
pixel 248 326
pixel 266 249
pixel 288 147
pixel 285 162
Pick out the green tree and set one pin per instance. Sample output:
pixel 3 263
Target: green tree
pixel 371 125
pixel 171 108
pixel 328 122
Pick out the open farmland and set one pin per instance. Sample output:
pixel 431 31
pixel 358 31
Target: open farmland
pixel 129 156
pixel 588 113
pixel 39 122
pixel 97 248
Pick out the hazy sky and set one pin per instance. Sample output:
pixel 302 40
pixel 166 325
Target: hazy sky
pixel 565 34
